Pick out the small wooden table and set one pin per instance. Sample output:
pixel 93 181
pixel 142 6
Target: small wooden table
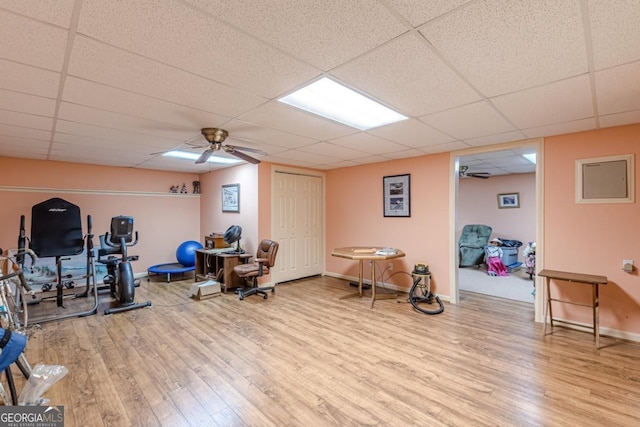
pixel 362 254
pixel 588 279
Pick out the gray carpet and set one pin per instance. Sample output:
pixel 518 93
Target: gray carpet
pixel 516 286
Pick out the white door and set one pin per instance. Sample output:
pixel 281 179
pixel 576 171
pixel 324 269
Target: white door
pixel 297 225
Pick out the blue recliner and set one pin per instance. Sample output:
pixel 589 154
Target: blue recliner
pixel 471 245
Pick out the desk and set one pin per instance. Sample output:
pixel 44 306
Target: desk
pixel 209 263
pixel 362 254
pixel 588 279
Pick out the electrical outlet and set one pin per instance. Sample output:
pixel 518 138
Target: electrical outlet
pixel 390 266
pixel 627 265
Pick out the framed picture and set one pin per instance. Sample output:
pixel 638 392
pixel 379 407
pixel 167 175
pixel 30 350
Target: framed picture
pixel 231 198
pixel 509 200
pixel 397 195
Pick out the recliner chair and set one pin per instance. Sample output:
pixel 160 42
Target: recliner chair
pixel 471 245
pixel 264 260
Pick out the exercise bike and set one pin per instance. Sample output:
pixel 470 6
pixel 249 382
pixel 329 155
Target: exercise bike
pixel 119 278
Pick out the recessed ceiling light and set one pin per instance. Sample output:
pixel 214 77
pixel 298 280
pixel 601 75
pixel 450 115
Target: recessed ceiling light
pixel 334 101
pixel 194 156
pixel 530 157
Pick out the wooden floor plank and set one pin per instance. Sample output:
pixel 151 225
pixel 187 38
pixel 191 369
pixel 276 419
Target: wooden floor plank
pixel 305 357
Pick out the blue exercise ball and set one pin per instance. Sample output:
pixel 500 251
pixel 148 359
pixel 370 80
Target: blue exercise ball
pixel 186 252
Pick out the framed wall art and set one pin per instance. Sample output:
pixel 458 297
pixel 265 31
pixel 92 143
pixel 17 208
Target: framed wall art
pixel 508 200
pixel 397 195
pixel 231 198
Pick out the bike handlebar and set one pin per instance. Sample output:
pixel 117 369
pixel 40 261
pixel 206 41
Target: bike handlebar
pixel 23 281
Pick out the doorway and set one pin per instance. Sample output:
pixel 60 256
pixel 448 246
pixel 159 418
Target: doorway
pixel 482 175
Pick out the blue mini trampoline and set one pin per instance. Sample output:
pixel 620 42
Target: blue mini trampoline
pixel 186 256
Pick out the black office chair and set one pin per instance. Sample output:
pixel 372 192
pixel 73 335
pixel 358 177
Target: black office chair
pixel 264 260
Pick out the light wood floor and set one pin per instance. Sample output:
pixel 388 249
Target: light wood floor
pixel 305 358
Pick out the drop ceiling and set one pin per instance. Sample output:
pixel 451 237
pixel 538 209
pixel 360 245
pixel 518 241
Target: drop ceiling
pixel 115 83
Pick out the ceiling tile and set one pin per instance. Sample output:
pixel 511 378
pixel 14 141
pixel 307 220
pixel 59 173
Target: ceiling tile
pixel 250 132
pixel 411 133
pixel 417 12
pixel 27 79
pixel 115 136
pixel 169 115
pixel 562 101
pixel 31 42
pixel 561 128
pixel 334 150
pixel 23 148
pixel 505 46
pixel 469 121
pixel 31 104
pixel 311 30
pixel 618 89
pixel 176 34
pixel 56 12
pixel 367 144
pixel 289 119
pixel 25 120
pixel 23 132
pixel 443 148
pixel 422 85
pixel 620 119
pixel 614 31
pixel 113 67
pixel 495 139
pixel 136 125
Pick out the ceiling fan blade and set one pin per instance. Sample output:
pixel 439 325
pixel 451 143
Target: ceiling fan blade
pixel 251 150
pixel 205 156
pixel 481 175
pixel 247 158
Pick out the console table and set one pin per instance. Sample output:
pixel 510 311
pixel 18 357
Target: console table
pixel 565 276
pixel 362 254
pixel 218 264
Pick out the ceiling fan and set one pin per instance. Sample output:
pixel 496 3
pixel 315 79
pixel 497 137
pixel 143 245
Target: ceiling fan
pixel 464 172
pixel 216 137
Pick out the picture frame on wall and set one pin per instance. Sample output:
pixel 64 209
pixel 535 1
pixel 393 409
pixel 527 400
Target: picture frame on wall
pixel 508 200
pixel 231 198
pixel 397 195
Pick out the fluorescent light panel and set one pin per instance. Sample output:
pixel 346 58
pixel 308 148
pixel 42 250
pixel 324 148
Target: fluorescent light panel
pixel 194 156
pixel 530 157
pixel 330 99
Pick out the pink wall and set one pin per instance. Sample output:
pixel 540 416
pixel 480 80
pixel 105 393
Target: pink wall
pixel 163 220
pixel 214 220
pixel 592 238
pixel 478 204
pixel 354 217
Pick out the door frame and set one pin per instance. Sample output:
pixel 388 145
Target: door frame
pixel 538 143
pixel 307 172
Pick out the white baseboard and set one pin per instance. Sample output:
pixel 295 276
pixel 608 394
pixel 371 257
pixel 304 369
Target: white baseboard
pixel 609 332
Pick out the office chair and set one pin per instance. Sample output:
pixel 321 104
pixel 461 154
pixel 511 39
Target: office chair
pixel 264 260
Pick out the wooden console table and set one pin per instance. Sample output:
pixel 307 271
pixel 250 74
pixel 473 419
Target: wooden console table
pixel 594 281
pixel 362 254
pixel 211 261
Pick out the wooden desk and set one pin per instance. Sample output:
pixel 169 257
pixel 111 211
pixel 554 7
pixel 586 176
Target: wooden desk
pixel 565 276
pixel 362 254
pixel 209 262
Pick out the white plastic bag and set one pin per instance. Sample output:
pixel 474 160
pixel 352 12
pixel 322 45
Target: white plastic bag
pixel 41 379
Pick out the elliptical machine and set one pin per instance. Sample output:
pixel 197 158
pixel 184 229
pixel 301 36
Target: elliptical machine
pixel 122 284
